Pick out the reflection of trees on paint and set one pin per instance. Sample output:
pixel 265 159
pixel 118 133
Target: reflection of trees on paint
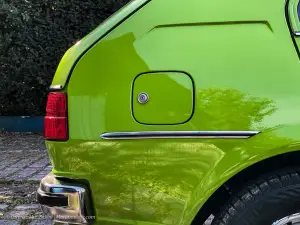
pixel 230 109
pixel 159 176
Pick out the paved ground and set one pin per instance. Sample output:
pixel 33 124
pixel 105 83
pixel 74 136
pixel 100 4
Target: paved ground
pixel 23 158
pixel 23 163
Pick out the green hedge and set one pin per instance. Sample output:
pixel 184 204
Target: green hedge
pixel 34 36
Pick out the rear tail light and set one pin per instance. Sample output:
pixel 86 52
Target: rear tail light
pixel 56 120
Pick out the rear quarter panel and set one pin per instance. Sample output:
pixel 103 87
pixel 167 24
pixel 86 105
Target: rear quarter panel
pixel 245 69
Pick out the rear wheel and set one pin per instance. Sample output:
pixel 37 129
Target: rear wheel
pixel 272 199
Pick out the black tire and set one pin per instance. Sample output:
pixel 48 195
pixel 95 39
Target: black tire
pixel 271 197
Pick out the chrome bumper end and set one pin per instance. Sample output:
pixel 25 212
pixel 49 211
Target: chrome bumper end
pixel 63 203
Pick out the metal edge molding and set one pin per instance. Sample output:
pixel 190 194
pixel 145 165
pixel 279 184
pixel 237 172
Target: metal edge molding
pixel 297 33
pixel 56 87
pixel 179 134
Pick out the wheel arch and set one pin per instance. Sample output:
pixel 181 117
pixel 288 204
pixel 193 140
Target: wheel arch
pixel 230 187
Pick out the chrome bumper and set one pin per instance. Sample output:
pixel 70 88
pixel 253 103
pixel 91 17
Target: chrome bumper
pixel 63 203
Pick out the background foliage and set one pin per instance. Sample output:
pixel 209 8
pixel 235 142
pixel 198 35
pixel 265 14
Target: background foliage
pixel 33 37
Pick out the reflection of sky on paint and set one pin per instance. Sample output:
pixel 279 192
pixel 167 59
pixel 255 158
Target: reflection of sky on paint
pixel 287 112
pixel 166 49
pixel 86 117
pixel 180 79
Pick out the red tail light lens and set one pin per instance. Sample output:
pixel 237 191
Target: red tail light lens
pixel 56 121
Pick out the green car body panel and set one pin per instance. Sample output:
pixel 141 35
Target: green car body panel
pixel 216 65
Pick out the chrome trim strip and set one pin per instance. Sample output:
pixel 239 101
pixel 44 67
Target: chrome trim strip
pixel 179 134
pixel 56 87
pixel 297 33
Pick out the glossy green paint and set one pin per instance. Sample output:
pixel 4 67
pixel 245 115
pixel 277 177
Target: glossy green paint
pixel 171 98
pixel 245 69
pixel 73 54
